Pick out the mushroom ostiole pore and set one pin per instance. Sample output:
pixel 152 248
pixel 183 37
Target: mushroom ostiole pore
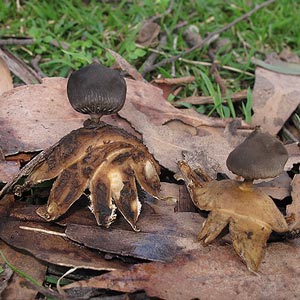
pixel 259 156
pixel 96 90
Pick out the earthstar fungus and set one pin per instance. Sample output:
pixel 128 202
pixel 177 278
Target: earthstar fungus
pixel 249 212
pixel 104 159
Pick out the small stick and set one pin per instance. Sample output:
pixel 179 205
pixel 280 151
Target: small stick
pixel 173 70
pixel 19 68
pixel 36 67
pixel 201 63
pixel 200 100
pixel 16 41
pixel 51 232
pixel 27 169
pixel 165 13
pixel 210 36
pixel 153 56
pixel 214 71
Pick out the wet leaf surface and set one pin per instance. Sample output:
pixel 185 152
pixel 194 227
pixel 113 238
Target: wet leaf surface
pixel 210 273
pixel 52 248
pixel 271 90
pixel 162 237
pixel 148 34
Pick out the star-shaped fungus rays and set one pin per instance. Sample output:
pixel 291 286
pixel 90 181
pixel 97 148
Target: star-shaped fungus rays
pixel 251 214
pixel 106 160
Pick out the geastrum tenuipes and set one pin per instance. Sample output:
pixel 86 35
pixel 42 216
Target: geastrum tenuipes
pixel 250 213
pixel 104 159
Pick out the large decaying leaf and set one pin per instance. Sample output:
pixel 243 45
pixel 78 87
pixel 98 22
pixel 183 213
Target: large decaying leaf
pixel 52 248
pixel 151 115
pixel 32 111
pixel 275 97
pixel 44 111
pixel 34 117
pixel 209 273
pixel 162 237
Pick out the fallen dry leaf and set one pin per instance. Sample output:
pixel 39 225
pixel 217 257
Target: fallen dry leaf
pixel 125 66
pixel 210 273
pixel 19 287
pixel 168 85
pixel 35 117
pixel 6 82
pixel 294 155
pixel 148 34
pixel 52 248
pixel 192 36
pixel 151 115
pixel 5 277
pixel 162 237
pixel 287 55
pixel 277 188
pixel 293 210
pixel 47 116
pixel 8 169
pixel 275 97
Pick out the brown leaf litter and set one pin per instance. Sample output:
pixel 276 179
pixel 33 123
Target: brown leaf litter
pixel 275 97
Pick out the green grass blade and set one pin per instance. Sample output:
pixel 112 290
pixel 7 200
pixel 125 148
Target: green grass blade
pixel 19 272
pixel 230 105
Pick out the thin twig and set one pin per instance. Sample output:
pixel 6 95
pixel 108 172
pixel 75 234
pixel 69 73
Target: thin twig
pixel 19 68
pixel 36 67
pixel 165 13
pixel 194 62
pixel 200 100
pixel 16 41
pixel 215 72
pixel 27 169
pixel 173 70
pixel 153 56
pixel 210 36
pixel 43 231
